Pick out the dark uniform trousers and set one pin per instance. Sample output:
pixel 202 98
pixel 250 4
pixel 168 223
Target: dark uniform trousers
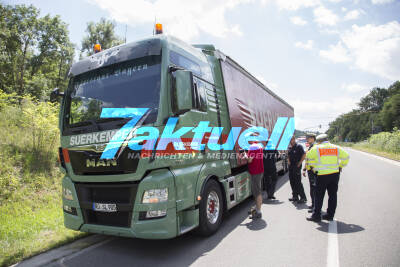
pixel 295 183
pixel 270 179
pixel 328 183
pixel 312 179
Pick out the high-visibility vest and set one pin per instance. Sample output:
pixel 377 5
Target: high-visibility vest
pixel 327 158
pixel 307 165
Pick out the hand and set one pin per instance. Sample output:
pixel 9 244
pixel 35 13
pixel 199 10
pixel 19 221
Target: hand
pixel 340 169
pixel 304 174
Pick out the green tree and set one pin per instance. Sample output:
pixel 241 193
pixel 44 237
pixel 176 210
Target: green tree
pixel 379 109
pixel 102 33
pixel 374 100
pixel 35 52
pixel 394 88
pixel 390 114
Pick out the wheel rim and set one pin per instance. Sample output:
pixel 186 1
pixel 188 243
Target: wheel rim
pixel 212 207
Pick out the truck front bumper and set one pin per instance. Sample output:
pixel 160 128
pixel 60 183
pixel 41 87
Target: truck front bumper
pixel 132 222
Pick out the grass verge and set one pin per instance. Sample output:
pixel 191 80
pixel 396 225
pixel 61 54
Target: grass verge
pixel 363 146
pixel 32 222
pixel 31 216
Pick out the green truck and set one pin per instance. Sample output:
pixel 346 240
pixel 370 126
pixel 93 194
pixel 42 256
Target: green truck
pixel 145 194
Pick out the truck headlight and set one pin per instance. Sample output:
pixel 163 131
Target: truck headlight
pixel 67 194
pixel 155 195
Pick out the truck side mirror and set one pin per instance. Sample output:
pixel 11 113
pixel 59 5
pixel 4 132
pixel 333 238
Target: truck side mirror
pixel 183 91
pixel 55 95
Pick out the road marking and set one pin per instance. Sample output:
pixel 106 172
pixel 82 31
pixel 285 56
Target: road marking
pixel 333 245
pixel 393 162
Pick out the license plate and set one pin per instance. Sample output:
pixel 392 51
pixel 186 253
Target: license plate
pixel 103 207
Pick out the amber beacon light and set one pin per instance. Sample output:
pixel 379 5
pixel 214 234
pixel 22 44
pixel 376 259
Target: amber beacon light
pixel 97 48
pixel 158 28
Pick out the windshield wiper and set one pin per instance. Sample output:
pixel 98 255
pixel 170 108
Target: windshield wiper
pixel 110 119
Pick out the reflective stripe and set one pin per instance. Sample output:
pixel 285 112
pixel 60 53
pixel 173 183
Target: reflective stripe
pixel 328 168
pixel 345 158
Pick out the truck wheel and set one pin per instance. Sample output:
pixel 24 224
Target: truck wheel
pixel 211 208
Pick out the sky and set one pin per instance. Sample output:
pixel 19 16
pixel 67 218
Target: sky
pixel 321 56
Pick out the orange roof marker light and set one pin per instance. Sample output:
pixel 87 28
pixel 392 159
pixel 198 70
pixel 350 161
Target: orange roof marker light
pixel 158 28
pixel 97 48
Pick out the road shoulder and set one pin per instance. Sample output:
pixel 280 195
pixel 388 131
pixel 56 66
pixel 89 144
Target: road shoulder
pixel 63 251
pixel 391 161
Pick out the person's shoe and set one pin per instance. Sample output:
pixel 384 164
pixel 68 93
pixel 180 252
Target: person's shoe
pixel 293 199
pixel 273 197
pixel 302 201
pixel 314 219
pixel 252 211
pixel 310 211
pixel 256 215
pixel 327 217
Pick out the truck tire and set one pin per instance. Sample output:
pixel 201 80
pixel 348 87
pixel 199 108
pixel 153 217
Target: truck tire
pixel 211 209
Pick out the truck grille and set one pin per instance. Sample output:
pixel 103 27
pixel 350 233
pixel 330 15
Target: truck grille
pixel 89 162
pixel 121 194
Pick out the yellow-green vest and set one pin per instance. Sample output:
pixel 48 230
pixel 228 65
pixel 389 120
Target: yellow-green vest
pixel 326 158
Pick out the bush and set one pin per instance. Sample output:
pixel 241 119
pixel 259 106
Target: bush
pixel 386 141
pixel 28 144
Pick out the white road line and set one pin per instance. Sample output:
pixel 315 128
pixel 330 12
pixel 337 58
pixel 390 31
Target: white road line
pixel 394 162
pixel 333 245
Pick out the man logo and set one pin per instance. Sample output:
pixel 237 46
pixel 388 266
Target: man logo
pixel 92 163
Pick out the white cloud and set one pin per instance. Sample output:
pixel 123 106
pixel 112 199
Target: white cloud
pixel 344 9
pixel 375 49
pixel 298 20
pixel 336 53
pixel 293 4
pixel 372 48
pixel 324 16
pixel 335 1
pixel 354 87
pixel 354 14
pixel 307 45
pixel 329 31
pixel 311 113
pixel 182 18
pixel 380 2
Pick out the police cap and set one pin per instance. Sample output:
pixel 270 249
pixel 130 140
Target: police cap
pixel 310 135
pixel 322 137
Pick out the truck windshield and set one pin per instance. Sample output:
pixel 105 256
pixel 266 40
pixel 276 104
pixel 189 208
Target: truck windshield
pixel 132 84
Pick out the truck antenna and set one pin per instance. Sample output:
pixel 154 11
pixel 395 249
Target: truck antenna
pixel 154 25
pixel 126 29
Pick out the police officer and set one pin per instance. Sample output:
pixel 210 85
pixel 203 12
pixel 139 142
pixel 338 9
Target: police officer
pixel 327 161
pixel 311 176
pixel 296 157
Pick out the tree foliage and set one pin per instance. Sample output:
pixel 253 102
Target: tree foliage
pixel 379 110
pixel 35 52
pixel 102 33
pixel 390 114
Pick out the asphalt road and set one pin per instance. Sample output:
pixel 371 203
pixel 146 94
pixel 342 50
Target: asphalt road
pixel 366 231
